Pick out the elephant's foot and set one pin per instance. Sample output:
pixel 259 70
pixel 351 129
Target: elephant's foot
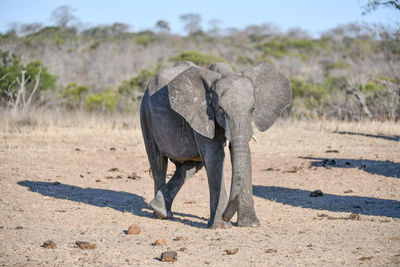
pixel 158 206
pixel 218 224
pixel 248 221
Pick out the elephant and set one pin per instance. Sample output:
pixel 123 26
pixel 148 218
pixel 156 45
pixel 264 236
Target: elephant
pixel 188 113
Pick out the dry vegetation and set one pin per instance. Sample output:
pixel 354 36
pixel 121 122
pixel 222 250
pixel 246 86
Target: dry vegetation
pixel 74 178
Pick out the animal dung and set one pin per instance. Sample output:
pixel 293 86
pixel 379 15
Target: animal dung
pixel 231 251
pixel 85 245
pixel 316 193
pixel 169 256
pixel 49 244
pixel 160 242
pixel 134 230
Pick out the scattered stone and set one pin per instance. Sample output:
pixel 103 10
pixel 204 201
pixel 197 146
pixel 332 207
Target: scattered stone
pixel 316 193
pixel 309 245
pixel 190 202
pixel 347 163
pixel 348 191
pixel 169 256
pixel 134 176
pixel 271 250
pixel 356 217
pixel 98 181
pixel 19 227
pixel 366 258
pixel 179 238
pixel 328 163
pixel 85 245
pixel 269 169
pixel 207 262
pixel 322 215
pixel 80 175
pixel 113 170
pixel 231 251
pixel 183 249
pixel 293 169
pixel 112 148
pixel 77 149
pixel 49 244
pixel 332 151
pixel 160 242
pixel 56 183
pixel 134 230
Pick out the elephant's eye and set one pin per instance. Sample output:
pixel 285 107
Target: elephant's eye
pixel 221 110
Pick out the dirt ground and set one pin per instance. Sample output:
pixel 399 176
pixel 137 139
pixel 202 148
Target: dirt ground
pixel 71 183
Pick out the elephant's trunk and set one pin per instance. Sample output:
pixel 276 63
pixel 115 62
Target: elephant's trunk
pixel 241 178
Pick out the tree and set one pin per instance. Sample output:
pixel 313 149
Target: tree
pixel 191 23
pixel 215 29
pixel 162 26
pixel 63 15
pixel 372 5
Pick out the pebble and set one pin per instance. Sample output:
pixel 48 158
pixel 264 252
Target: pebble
pixel 134 230
pixel 316 193
pixel 49 244
pixel 169 256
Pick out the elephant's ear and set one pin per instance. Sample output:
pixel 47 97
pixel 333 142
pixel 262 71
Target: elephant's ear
pixel 272 93
pixel 189 95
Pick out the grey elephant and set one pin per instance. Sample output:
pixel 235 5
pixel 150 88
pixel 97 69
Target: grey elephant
pixel 187 114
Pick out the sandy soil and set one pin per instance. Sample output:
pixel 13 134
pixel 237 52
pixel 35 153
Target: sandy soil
pixel 56 183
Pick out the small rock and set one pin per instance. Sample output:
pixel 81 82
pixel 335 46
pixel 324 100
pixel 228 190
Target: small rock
pixel 169 256
pixel 49 244
pixel 112 148
pixel 98 181
pixel 271 250
pixel 56 183
pixel 348 191
pixel 113 170
pixel 183 249
pixel 19 227
pixel 316 193
pixel 160 242
pixel 134 176
pixel 190 202
pixel 85 245
pixel 207 262
pixel 309 245
pixel 293 169
pixel 134 230
pixel 81 176
pixel 178 238
pixel 366 258
pixel 269 169
pixel 332 151
pixel 356 217
pixel 77 149
pixel 231 251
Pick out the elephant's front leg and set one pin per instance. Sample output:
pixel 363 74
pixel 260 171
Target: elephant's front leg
pixel 212 153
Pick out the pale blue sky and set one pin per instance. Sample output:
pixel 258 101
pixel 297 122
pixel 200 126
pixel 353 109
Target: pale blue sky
pixel 314 16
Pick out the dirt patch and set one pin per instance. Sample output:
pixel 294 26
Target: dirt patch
pixel 44 196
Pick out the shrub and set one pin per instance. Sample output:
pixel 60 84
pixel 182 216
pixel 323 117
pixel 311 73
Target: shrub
pixel 138 83
pixel 74 94
pixel 102 102
pixel 202 60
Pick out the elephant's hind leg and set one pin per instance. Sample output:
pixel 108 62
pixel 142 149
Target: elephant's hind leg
pixel 162 202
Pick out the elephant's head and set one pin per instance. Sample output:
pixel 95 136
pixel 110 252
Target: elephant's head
pixel 217 95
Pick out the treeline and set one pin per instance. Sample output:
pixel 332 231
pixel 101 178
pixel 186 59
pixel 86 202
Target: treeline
pixel 351 72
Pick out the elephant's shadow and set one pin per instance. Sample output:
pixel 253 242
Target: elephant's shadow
pixel 336 203
pixel 118 200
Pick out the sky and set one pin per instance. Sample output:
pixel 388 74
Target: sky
pixel 314 16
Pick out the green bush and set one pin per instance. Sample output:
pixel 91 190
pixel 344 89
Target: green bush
pixel 202 60
pixel 102 102
pixel 73 94
pixel 138 83
pixel 11 71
